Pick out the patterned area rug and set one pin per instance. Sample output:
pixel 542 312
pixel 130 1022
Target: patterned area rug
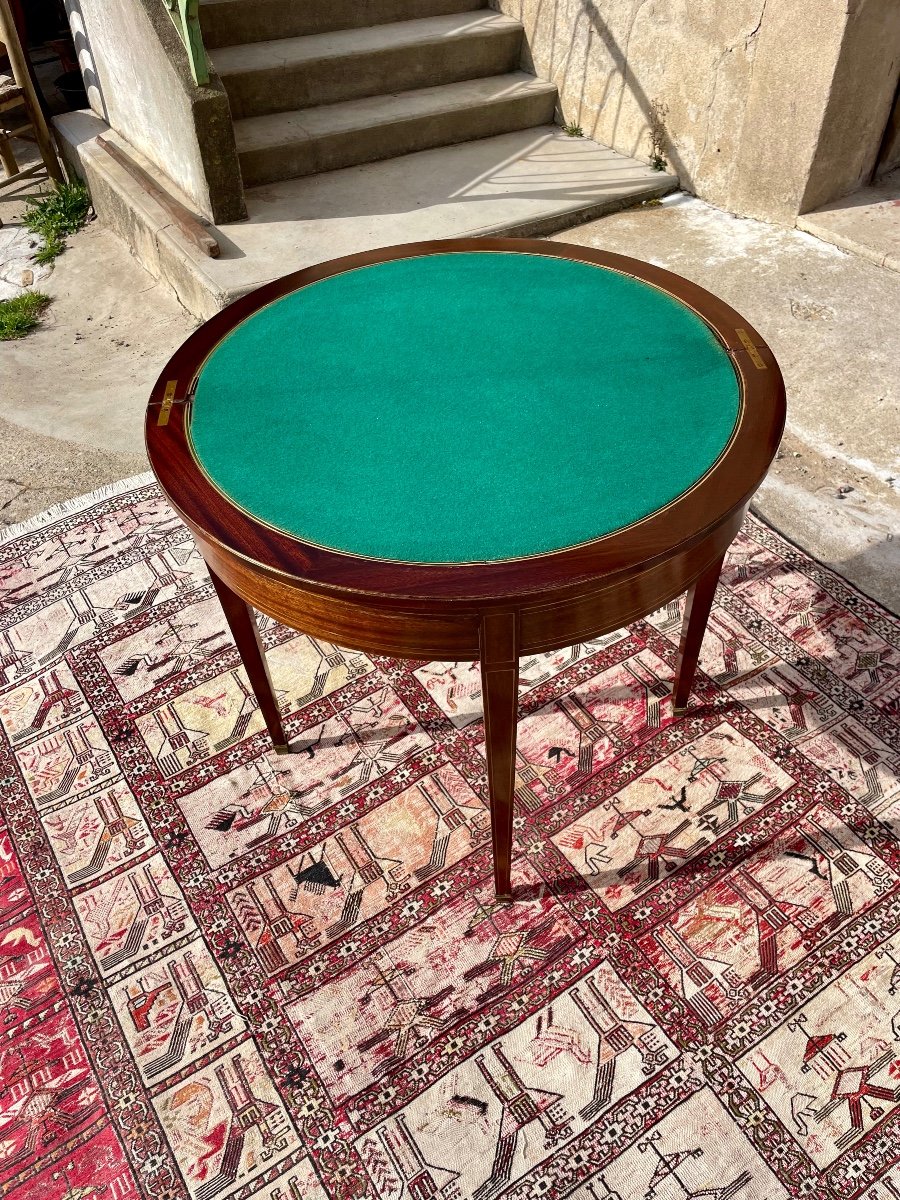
pixel 228 974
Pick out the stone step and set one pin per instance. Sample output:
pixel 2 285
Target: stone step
pixel 236 22
pixel 329 68
pixel 292 144
pixel 528 183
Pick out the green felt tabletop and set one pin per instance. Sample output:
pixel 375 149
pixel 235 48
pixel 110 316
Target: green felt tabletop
pixel 463 407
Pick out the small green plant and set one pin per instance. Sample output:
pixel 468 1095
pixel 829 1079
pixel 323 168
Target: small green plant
pixel 53 245
pixel 54 216
pixel 573 130
pixel 658 136
pixel 21 314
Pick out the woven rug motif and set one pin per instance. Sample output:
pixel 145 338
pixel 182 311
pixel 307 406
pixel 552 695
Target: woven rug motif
pixel 227 974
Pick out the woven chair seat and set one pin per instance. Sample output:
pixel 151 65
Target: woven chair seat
pixel 9 89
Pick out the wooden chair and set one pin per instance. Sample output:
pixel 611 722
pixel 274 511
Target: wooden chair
pixel 17 90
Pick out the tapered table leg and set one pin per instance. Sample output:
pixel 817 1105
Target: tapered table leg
pixel 242 623
pixel 500 692
pixel 696 614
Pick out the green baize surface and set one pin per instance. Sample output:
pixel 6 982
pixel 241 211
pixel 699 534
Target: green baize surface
pixel 464 407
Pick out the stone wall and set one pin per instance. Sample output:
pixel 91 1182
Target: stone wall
pixel 859 105
pixel 770 107
pixel 139 81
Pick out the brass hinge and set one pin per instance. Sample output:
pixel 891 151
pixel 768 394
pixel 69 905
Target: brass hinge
pixel 168 401
pixel 755 356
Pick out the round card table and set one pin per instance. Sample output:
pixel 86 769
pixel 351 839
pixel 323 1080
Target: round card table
pixel 470 449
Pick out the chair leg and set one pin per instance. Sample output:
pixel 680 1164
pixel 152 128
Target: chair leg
pixel 10 166
pixel 19 64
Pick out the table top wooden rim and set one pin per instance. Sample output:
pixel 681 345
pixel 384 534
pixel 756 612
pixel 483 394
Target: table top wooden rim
pixel 725 487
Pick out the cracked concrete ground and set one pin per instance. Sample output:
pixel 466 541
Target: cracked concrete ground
pixel 72 395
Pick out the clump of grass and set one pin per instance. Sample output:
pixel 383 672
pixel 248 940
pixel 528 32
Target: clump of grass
pixel 52 246
pixel 57 215
pixel 21 314
pixel 573 130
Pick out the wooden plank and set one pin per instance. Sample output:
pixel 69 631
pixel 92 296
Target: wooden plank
pixel 187 222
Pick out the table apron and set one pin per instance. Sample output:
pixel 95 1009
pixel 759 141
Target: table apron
pixel 450 631
pixel 597 612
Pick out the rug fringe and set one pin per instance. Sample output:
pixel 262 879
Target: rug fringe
pixel 78 504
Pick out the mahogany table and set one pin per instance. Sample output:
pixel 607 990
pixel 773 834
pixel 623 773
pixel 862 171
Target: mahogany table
pixel 470 449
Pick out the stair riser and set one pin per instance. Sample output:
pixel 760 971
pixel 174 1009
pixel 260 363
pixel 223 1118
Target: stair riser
pixel 394 69
pixel 233 23
pixel 357 146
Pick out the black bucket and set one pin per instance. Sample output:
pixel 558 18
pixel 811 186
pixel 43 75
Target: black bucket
pixel 71 87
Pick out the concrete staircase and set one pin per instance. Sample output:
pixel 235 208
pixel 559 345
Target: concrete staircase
pixel 359 124
pixel 318 86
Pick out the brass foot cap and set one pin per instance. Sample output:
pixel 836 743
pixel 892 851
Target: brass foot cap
pixel 679 709
pixel 281 749
pixel 504 897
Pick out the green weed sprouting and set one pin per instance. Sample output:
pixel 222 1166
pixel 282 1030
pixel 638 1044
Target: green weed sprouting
pixel 21 314
pixel 656 119
pixel 57 215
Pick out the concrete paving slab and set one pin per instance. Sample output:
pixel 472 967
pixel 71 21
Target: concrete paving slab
pixel 105 337
pixel 18 269
pixel 866 223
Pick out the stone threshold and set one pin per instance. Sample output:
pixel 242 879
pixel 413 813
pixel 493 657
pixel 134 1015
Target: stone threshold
pixel 866 222
pixel 530 183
